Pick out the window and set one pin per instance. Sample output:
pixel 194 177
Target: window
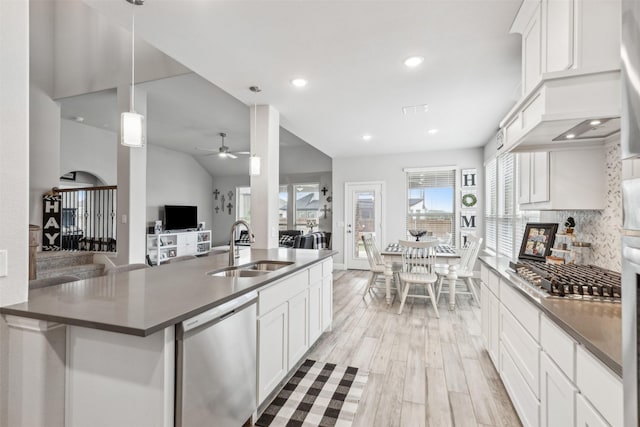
pixel 243 203
pixel 307 206
pixel 283 201
pixel 504 221
pixel 431 202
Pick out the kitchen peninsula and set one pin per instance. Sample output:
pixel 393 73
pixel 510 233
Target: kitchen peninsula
pixel 109 342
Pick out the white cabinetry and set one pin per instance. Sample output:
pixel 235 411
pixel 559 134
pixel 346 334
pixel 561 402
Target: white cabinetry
pixel 490 313
pixel 557 396
pixel 551 379
pixel 567 179
pixel 292 313
pixel 272 349
pixel 586 415
pixel 163 247
pixel 567 35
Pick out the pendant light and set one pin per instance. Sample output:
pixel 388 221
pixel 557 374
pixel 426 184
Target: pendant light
pixel 254 160
pixel 132 129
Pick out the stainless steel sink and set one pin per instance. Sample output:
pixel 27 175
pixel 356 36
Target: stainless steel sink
pixel 252 269
pixel 237 272
pixel 267 265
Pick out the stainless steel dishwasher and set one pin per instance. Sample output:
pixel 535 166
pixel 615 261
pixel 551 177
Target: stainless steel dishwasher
pixel 216 365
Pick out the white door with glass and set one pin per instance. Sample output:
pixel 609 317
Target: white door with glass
pixel 363 215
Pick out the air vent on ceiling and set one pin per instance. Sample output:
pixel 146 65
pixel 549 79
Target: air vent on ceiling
pixel 415 109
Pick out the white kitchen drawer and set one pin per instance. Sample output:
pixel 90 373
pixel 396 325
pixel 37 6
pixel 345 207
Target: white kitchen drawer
pixel 523 310
pixel 484 274
pixel 600 386
pixel 586 414
pixel 281 291
pixel 327 267
pixel 494 283
pixel 315 273
pixel 526 404
pixel 559 346
pixel 524 350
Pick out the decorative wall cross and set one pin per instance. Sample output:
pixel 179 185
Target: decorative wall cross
pixel 217 209
pixel 324 190
pixel 230 194
pixel 326 210
pixel 215 193
pixel 229 206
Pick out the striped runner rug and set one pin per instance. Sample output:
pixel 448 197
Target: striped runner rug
pixel 318 394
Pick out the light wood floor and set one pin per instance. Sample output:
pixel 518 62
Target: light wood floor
pixel 424 371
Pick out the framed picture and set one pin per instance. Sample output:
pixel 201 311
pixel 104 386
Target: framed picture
pixel 71 176
pixel 537 241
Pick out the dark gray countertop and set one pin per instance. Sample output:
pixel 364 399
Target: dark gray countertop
pixel 596 325
pixel 145 301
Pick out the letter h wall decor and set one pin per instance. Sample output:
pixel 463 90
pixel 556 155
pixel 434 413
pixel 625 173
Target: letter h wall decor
pixel 468 204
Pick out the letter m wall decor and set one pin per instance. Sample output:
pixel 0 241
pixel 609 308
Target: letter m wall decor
pixel 51 219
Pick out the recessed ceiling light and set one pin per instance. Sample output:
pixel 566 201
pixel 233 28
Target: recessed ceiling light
pixel 366 137
pixel 79 119
pixel 570 135
pixel 595 122
pixel 299 82
pixel 413 61
pixel 432 131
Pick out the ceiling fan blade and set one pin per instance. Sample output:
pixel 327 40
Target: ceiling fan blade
pixel 245 153
pixel 232 156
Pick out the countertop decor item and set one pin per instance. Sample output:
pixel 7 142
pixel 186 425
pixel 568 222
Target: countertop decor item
pixel 417 234
pixel 537 241
pixel 570 223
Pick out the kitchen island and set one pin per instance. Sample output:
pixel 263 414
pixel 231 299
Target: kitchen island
pixel 560 359
pixel 101 351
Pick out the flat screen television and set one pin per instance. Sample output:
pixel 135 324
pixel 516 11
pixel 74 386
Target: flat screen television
pixel 180 217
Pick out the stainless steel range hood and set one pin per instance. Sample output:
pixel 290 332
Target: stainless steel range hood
pixel 559 112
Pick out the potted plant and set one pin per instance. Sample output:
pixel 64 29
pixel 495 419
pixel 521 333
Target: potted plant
pixel 570 223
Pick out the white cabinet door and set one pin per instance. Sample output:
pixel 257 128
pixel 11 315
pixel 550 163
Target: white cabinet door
pixel 272 350
pixel 494 329
pixel 298 327
pixel 586 415
pixel 327 302
pixel 531 53
pixel 485 325
pixel 524 177
pixel 315 311
pixel 539 177
pixel 559 35
pixel 557 397
pixel 187 243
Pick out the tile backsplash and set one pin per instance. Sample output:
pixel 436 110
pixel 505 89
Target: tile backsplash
pixel 601 228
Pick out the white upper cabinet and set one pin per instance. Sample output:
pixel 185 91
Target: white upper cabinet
pixel 567 179
pixel 570 71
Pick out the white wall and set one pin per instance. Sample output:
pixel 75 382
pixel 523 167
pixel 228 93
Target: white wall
pixel 222 221
pixel 175 178
pixel 92 53
pixel 14 167
pixel 305 159
pixel 90 149
pixel 389 169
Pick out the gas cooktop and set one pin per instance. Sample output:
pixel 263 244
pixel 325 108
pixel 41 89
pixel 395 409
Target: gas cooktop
pixel 571 281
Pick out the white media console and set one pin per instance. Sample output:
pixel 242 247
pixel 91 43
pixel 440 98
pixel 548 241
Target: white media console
pixel 162 247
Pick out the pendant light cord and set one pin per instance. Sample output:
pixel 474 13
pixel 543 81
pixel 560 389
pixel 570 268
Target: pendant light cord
pixel 133 54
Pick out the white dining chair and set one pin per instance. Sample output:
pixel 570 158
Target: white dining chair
pixel 418 269
pixel 468 257
pixel 376 264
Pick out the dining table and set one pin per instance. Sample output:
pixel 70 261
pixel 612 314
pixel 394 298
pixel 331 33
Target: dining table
pixel 446 256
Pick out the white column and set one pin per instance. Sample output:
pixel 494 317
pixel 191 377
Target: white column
pixel 265 143
pixel 14 171
pixel 132 189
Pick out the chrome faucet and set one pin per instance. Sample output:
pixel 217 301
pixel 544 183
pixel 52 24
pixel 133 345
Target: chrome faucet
pixel 232 240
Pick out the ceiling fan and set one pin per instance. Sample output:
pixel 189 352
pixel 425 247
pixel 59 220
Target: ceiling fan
pixel 223 151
